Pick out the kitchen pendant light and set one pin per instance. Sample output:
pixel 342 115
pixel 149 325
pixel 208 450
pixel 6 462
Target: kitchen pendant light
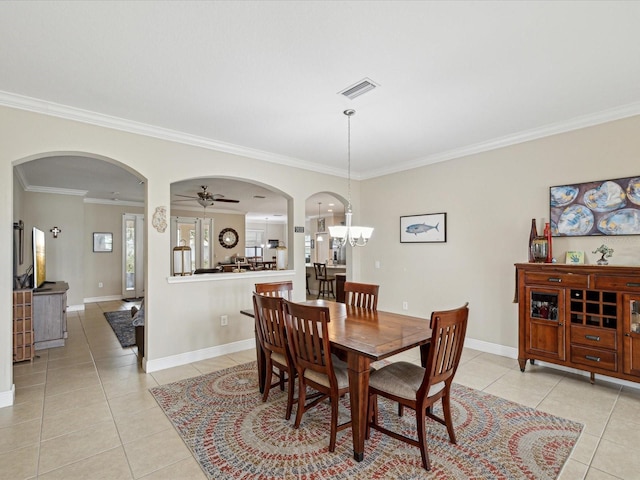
pixel 351 234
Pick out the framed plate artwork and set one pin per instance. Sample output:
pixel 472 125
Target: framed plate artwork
pixel 427 228
pixel 605 207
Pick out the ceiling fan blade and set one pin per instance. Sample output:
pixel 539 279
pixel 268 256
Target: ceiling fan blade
pixel 185 196
pixel 225 200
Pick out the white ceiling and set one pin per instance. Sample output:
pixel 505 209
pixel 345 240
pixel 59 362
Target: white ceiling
pixel 262 78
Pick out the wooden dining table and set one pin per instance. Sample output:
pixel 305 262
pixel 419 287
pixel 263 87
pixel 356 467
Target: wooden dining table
pixel 366 336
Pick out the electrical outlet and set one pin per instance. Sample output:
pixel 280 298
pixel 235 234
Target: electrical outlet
pixel 405 305
pixel 224 320
pixel 377 263
pixel 100 285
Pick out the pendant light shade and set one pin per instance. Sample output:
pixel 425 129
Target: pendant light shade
pixel 351 234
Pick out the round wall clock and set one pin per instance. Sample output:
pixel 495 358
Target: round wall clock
pixel 228 238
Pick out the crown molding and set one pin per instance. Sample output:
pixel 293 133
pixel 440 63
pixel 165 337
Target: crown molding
pixel 58 191
pixel 576 123
pixel 85 116
pixel 105 201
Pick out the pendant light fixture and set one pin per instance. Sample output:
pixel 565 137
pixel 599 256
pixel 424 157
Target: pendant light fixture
pixel 353 235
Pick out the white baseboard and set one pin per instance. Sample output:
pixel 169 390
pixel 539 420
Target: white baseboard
pixel 75 308
pixel 108 298
pixel 8 397
pixel 488 347
pixel 197 355
pixel 511 352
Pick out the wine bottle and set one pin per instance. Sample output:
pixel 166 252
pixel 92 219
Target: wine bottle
pixel 547 234
pixel 532 235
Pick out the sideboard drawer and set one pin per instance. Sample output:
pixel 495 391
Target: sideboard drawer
pixel 594 357
pixel 596 337
pixel 629 283
pixel 558 279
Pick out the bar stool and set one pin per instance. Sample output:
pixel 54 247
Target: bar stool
pixel 325 282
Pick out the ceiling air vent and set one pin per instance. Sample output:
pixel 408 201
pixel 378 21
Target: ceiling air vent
pixel 363 86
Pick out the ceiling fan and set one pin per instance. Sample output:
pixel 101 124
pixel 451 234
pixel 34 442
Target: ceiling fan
pixel 206 198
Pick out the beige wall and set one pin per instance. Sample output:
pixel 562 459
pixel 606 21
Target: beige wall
pixel 103 267
pixel 181 318
pixel 490 200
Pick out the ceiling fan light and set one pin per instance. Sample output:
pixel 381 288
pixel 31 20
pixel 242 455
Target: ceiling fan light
pixel 205 202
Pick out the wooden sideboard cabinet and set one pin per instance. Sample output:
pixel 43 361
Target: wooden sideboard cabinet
pixel 50 315
pixel 581 316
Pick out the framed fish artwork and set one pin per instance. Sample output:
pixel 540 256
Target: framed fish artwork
pixel 605 207
pixel 427 228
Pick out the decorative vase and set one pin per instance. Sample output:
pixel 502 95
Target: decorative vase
pixel 547 234
pixel 540 249
pixel 532 235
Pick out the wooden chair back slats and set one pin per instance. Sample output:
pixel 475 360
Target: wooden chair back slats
pixel 270 323
pixel 307 332
pixel 447 341
pixel 363 295
pixel 275 289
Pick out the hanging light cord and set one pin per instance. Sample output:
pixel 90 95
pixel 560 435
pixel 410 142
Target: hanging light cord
pixel 349 113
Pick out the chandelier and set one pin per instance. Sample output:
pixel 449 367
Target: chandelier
pixel 351 234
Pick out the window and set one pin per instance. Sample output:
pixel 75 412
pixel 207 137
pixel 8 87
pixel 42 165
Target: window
pixel 254 243
pixel 195 233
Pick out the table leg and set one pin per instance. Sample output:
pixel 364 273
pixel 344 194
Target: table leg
pixel 359 396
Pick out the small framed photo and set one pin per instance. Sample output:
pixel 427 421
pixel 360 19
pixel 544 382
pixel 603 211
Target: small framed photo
pixel 102 242
pixel 427 228
pixel 575 258
pixel 322 225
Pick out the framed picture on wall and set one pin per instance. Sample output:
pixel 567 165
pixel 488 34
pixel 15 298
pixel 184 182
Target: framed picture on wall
pixel 605 207
pixel 102 242
pixel 427 228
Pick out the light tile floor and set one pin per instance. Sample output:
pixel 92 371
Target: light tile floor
pixel 83 411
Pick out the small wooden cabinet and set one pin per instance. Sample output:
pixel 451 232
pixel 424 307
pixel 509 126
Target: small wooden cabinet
pixel 22 325
pixel 581 316
pixel 50 315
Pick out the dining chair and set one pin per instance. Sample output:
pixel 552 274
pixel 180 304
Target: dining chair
pixel 308 335
pixel 271 330
pixel 419 388
pixel 363 295
pixel 275 289
pixel 325 282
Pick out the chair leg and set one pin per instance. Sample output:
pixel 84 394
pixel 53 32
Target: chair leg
pixel 301 399
pixel 400 409
pixel 281 381
pixel 267 384
pixel 448 419
pixel 290 394
pixel 334 423
pixel 373 404
pixel 422 436
pixel 319 288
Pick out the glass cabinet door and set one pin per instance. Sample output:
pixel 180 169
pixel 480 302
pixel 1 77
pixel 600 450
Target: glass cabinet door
pixel 632 334
pixel 544 323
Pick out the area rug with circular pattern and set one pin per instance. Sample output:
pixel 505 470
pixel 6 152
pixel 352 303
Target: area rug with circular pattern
pixel 233 434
